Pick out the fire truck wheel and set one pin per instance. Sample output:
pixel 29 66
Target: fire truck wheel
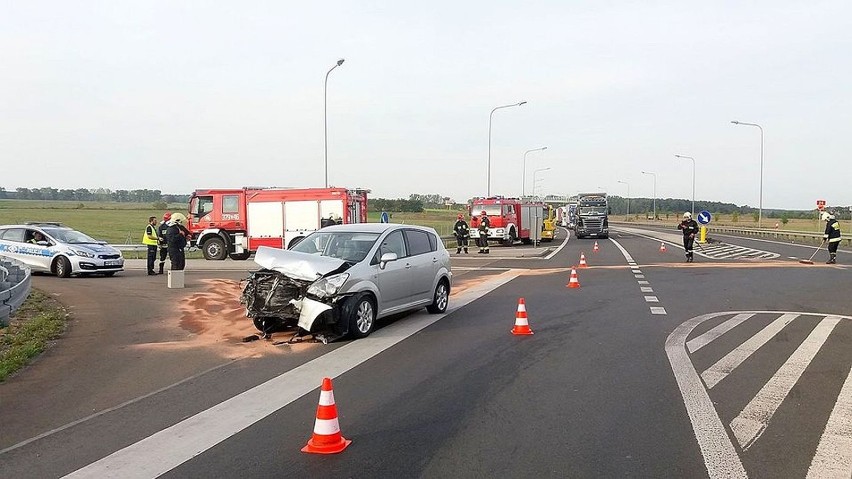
pixel 361 314
pixel 440 299
pixel 240 256
pixel 214 249
pixel 512 238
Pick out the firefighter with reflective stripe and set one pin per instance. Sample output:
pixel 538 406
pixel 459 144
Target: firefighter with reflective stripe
pixel 832 235
pixel 482 241
pixel 164 245
pixel 151 240
pixel 689 228
pixel 462 232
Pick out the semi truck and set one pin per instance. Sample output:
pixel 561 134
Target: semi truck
pixel 511 219
pixel 592 216
pixel 235 222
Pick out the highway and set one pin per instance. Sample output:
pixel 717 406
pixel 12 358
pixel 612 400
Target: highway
pixel 737 365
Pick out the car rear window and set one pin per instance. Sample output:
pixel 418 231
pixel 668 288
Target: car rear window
pixel 418 242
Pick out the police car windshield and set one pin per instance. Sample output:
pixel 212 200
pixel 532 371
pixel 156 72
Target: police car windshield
pixel 350 247
pixel 69 236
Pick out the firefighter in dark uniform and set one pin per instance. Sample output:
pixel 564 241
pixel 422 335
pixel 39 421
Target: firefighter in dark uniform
pixel 161 234
pixel 462 232
pixel 689 228
pixel 177 236
pixel 482 241
pixel 832 235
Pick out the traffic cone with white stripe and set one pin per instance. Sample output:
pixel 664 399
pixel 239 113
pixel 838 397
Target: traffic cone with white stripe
pixel 583 261
pixel 574 282
pixel 326 438
pixel 662 247
pixel 595 249
pixel 522 325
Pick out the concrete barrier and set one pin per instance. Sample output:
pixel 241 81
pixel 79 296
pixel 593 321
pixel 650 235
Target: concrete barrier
pixel 15 284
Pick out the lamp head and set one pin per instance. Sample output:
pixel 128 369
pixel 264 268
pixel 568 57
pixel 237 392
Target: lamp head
pixel 521 103
pixel 340 62
pixel 735 122
pixel 543 147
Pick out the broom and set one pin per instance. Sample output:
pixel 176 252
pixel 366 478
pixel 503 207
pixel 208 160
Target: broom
pixel 810 260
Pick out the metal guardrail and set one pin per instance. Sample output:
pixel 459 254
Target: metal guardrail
pixel 15 284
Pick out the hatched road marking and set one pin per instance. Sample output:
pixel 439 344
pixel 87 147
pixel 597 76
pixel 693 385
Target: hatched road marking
pixel 833 456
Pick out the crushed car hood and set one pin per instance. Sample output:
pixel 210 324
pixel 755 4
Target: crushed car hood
pixel 304 266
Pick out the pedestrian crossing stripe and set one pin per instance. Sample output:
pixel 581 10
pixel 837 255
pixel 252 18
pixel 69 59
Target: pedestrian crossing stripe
pixel 727 251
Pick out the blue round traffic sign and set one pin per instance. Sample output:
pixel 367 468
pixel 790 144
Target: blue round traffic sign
pixel 385 218
pixel 704 217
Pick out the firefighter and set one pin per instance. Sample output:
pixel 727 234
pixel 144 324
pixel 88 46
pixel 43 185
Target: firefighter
pixel 150 240
pixel 689 228
pixel 462 232
pixel 482 241
pixel 832 235
pixel 161 237
pixel 177 236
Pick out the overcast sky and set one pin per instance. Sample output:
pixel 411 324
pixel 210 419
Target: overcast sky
pixel 178 95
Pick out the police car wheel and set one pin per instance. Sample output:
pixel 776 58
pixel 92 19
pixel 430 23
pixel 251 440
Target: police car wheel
pixel 62 267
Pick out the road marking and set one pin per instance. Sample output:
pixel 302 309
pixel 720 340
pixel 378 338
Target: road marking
pixel 703 340
pixel 646 289
pixel 655 310
pixel 833 456
pixel 658 310
pixel 753 419
pixel 171 447
pixel 709 250
pixel 719 371
pixel 651 299
pixel 639 276
pixel 643 282
pixel 564 243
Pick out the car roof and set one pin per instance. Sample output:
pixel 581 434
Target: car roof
pixel 371 227
pixel 37 224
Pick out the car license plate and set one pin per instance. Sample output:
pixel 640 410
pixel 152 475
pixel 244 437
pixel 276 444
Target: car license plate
pixel 112 263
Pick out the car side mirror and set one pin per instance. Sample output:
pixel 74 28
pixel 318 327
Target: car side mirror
pixel 387 258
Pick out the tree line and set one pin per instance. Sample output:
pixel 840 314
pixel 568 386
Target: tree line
pixel 97 194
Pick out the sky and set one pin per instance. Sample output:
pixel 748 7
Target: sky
pixel 180 95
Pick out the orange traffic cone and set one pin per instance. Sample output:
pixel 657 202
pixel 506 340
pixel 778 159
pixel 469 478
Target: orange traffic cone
pixel 662 247
pixel 595 249
pixel 522 326
pixel 574 282
pixel 326 438
pixel 583 261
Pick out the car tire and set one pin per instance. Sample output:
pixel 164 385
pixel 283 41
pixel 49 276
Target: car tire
pixel 360 312
pixel 214 249
pixel 440 299
pixel 62 267
pixel 240 256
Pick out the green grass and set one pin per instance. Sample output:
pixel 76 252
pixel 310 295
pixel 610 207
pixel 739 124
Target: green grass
pixel 37 321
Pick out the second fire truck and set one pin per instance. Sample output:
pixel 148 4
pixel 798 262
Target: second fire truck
pixel 511 219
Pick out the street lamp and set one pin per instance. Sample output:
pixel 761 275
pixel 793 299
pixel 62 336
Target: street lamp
pixel 535 173
pixel 760 205
pixel 325 116
pixel 655 191
pixel 693 180
pixel 628 196
pixel 488 170
pixel 524 174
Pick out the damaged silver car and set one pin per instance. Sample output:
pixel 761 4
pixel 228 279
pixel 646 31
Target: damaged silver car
pixel 339 280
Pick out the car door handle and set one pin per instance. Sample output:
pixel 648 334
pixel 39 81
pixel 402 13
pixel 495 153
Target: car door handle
pixel 434 260
pixel 407 265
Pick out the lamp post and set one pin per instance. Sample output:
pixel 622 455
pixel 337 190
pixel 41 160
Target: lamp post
pixel 488 169
pixel 693 180
pixel 628 196
pixel 760 200
pixel 535 173
pixel 325 116
pixel 524 174
pixel 655 191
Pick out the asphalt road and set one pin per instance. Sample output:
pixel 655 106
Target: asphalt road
pixel 736 365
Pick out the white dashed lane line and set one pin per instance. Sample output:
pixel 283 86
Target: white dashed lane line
pixel 645 285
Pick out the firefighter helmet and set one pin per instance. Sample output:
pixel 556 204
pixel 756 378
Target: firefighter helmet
pixel 687 215
pixel 461 216
pixel 825 216
pixel 167 216
pixel 483 213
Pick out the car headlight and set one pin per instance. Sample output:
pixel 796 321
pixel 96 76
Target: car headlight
pixel 329 286
pixel 83 253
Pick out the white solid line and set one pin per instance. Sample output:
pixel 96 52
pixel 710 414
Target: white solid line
pixel 753 419
pixel 171 447
pixel 833 456
pixel 624 252
pixel 720 457
pixel 643 282
pixel 651 299
pixel 705 339
pixel 564 243
pixel 719 371
pixel 646 289
pixel 658 310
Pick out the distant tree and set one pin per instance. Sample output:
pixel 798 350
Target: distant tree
pixel 160 205
pixel 784 218
pixel 735 217
pixel 755 217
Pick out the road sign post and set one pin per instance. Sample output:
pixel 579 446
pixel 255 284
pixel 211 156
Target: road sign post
pixel 704 219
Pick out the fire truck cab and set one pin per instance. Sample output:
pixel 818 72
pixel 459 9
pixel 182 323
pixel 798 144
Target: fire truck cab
pixel 235 222
pixel 510 219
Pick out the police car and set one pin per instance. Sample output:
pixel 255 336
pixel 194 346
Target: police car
pixel 58 249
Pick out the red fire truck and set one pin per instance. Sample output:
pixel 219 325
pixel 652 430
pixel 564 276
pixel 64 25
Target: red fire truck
pixel 511 219
pixel 234 222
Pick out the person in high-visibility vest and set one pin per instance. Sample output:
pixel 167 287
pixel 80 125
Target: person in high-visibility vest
pixel 151 240
pixel 832 235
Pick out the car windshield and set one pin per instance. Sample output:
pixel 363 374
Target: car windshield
pixel 69 236
pixel 490 210
pixel 351 247
pixel 592 210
